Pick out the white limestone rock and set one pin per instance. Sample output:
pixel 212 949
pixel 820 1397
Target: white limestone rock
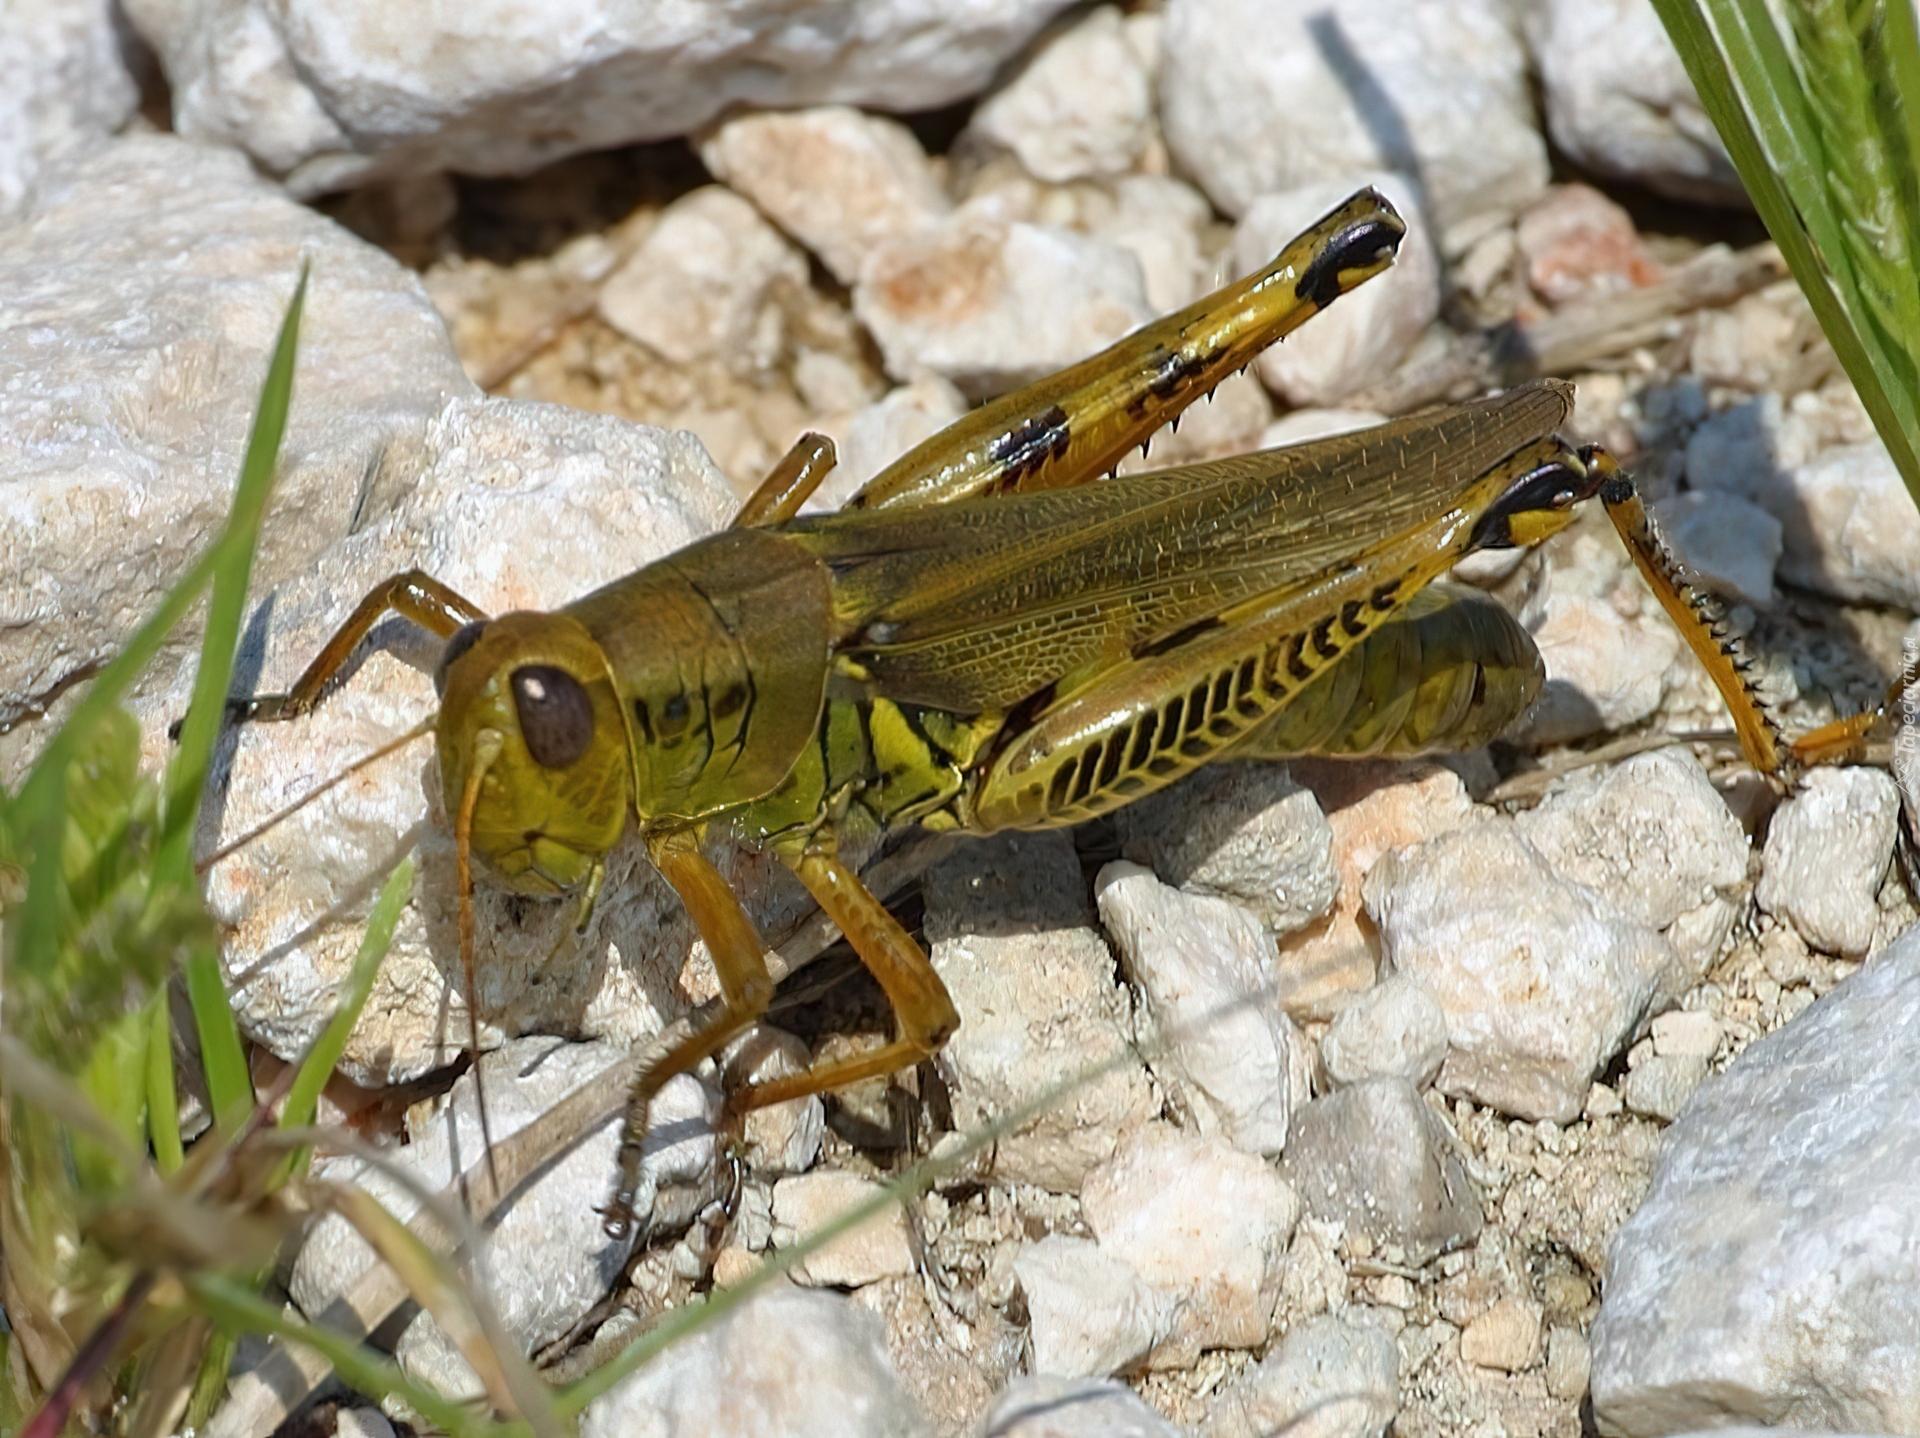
pixel 63 89
pixel 838 180
pixel 1245 832
pixel 1358 342
pixel 1542 979
pixel 1264 95
pixel 699 284
pixel 1605 670
pixel 875 435
pixel 327 93
pixel 780 1138
pixel 142 300
pixel 879 1248
pixel 1160 220
pixel 1204 968
pixel 992 303
pixel 1339 1377
pixel 1011 935
pixel 1394 1030
pixel 1089 1313
pixel 1081 107
pixel 1619 101
pixel 1043 1406
pixel 1374 1157
pixel 1654 836
pixel 1506 1336
pixel 547 1258
pixel 1827 851
pixel 1202 1223
pixel 1300 426
pixel 789 1363
pixel 1768 1276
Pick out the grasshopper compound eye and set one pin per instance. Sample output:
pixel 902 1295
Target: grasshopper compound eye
pixel 464 638
pixel 556 716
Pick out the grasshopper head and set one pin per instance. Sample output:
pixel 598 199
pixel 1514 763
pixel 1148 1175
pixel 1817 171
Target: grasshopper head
pixel 533 751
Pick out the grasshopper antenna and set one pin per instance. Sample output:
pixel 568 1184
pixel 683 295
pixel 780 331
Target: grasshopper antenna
pixel 418 731
pixel 487 745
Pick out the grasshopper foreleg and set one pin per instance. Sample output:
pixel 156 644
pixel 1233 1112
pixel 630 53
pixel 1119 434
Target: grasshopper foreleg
pixel 789 483
pixel 415 595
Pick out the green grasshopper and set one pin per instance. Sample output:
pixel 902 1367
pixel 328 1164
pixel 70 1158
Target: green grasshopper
pixel 986 639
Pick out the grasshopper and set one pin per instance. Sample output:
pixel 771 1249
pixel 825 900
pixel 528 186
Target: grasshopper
pixel 985 639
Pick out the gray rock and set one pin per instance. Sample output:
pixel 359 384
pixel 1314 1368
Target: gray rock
pixel 1204 968
pixel 1394 1030
pixel 63 89
pixel 1346 1376
pixel 1089 1312
pixel 1205 1225
pixel 1360 340
pixel 1080 108
pixel 1768 1275
pixel 1376 1158
pixel 1245 832
pixel 1048 1407
pixel 1730 545
pixel 1849 528
pixel 787 1364
pixel 1012 936
pixel 327 94
pixel 1827 851
pixel 1542 979
pixel 547 1260
pixel 839 181
pixel 143 295
pixel 1654 837
pixel 1262 95
pixel 992 302
pixel 1619 101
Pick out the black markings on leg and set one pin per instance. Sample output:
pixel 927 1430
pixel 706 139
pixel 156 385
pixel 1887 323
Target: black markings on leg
pixel 1356 247
pixel 1023 451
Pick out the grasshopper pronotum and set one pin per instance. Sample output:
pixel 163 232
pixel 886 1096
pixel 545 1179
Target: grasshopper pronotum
pixel 985 639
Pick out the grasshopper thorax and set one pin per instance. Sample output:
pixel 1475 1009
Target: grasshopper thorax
pixel 533 749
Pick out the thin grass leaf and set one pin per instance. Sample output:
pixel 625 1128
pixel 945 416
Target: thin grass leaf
pixel 222 1058
pixel 163 1099
pixel 1721 58
pixel 317 1067
pixel 239 1308
pixel 233 565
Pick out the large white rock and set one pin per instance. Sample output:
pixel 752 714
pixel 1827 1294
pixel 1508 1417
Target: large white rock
pixel 1619 100
pixel 1769 1277
pixel 1827 851
pixel 1359 341
pixel 992 303
pixel 1012 936
pixel 1542 979
pixel 1089 1313
pixel 1204 968
pixel 837 180
pixel 1043 1406
pixel 63 88
pixel 1202 1223
pixel 788 1364
pixel 875 435
pixel 326 93
pixel 881 1247
pixel 1654 836
pixel 548 1261
pixel 1605 670
pixel 1080 109
pixel 1263 95
pixel 141 301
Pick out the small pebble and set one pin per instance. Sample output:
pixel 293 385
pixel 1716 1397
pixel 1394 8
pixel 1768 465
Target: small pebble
pixel 1506 1336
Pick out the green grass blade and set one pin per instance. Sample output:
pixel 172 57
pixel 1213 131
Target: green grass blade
pixel 304 1096
pixel 163 1100
pixel 233 565
pixel 1798 221
pixel 229 1085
